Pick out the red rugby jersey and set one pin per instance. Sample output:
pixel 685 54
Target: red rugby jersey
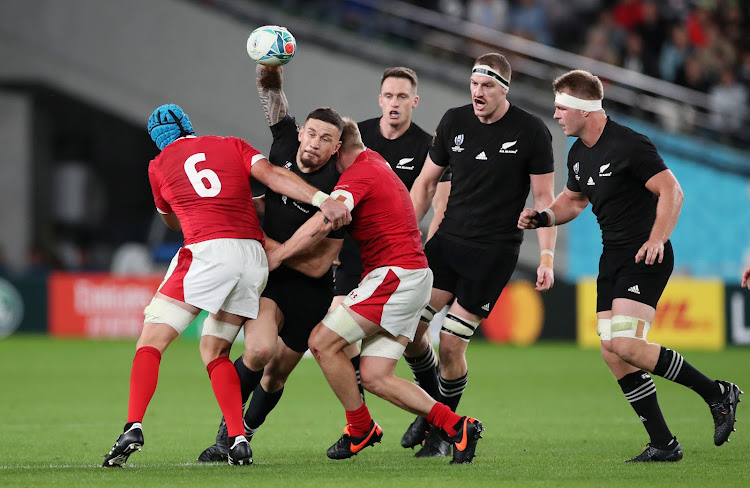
pixel 205 181
pixel 384 224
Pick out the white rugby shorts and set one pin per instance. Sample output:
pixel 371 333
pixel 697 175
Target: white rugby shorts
pixel 393 298
pixel 219 274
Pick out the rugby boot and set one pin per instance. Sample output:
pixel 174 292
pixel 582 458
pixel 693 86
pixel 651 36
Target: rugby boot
pixel 219 451
pixel 416 433
pixel 468 432
pixel 349 446
pixel 129 441
pixel 436 444
pixel 724 412
pixel 240 453
pixel 653 454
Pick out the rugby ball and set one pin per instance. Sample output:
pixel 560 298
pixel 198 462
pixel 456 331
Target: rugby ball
pixel 271 45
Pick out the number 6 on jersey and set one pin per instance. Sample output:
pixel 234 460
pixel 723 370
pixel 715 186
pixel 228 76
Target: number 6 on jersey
pixel 196 177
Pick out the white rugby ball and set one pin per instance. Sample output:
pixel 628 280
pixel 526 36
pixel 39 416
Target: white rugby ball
pixel 271 45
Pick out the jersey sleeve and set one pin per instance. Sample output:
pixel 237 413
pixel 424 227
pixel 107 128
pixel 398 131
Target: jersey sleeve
pixel 439 151
pixel 353 185
pixel 161 204
pixel 645 161
pixel 542 160
pixel 249 154
pixel 284 134
pixel 572 183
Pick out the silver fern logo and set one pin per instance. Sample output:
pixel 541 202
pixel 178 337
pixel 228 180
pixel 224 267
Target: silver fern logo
pixel 506 147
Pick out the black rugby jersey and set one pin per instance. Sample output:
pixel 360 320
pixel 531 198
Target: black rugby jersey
pixel 285 215
pixel 491 164
pixel 613 174
pixel 405 154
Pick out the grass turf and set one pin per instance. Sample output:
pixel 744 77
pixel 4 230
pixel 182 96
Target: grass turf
pixel 553 415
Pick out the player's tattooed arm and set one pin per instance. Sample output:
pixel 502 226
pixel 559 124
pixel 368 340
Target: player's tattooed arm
pixel 269 82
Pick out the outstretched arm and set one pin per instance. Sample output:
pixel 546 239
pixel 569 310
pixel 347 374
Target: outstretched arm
pixel 269 81
pixel 287 183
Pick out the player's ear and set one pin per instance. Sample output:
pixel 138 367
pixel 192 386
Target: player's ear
pixel 299 133
pixel 416 101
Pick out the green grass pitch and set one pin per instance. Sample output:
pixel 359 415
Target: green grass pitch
pixel 553 414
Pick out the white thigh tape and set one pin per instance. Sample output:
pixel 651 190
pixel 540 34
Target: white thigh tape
pixel 461 328
pixel 604 329
pixel 160 311
pixel 222 330
pixel 344 325
pixel 632 327
pixel 382 346
pixel 428 313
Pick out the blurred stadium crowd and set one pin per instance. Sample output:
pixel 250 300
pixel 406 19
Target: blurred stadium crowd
pixel 702 45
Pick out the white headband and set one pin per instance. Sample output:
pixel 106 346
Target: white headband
pixel 483 69
pixel 578 103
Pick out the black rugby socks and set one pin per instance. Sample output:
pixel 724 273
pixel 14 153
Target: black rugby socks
pixel 672 366
pixel 640 391
pixel 451 390
pixel 425 370
pixel 249 379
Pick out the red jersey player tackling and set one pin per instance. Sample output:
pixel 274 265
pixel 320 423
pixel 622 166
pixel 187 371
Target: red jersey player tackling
pixel 202 186
pixel 383 311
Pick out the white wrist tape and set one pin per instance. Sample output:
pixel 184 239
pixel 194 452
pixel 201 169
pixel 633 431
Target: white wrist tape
pixel 551 216
pixel 547 251
pixel 319 198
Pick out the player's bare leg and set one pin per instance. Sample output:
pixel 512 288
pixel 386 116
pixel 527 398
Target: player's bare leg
pixel 351 350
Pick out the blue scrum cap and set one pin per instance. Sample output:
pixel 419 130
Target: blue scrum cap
pixel 167 124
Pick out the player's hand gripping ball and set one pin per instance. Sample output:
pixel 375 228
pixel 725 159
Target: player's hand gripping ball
pixel 271 45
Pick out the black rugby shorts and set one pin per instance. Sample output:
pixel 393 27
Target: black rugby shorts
pixel 621 277
pixel 349 273
pixel 474 275
pixel 303 301
pixel 345 280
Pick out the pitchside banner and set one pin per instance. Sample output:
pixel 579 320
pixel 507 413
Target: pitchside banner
pixel 690 315
pixel 523 316
pixel 738 315
pixel 99 305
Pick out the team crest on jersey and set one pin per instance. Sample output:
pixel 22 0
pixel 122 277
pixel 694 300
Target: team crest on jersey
pixel 288 165
pixel 506 147
pixel 403 163
pixel 576 167
pixel 458 140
